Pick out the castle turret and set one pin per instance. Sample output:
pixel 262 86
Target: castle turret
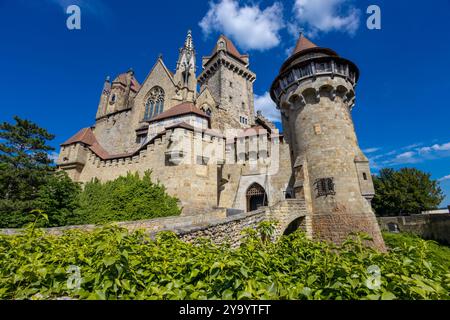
pixel 118 95
pixel 315 92
pixel 185 77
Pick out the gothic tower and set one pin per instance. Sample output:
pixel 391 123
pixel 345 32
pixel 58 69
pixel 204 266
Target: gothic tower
pixel 185 77
pixel 227 75
pixel 315 92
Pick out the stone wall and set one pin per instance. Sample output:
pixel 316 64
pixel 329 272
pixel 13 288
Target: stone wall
pixel 216 225
pixel 428 226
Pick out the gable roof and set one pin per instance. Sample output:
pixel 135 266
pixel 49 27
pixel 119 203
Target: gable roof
pixel 178 110
pixel 168 72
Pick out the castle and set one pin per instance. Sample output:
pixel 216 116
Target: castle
pixel 210 149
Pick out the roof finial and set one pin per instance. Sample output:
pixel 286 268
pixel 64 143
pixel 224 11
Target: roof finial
pixel 302 32
pixel 160 56
pixel 108 79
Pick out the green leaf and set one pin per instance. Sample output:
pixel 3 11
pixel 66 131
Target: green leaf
pixel 243 295
pixel 109 260
pixel 388 296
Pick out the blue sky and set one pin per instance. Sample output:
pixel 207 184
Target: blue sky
pixel 54 76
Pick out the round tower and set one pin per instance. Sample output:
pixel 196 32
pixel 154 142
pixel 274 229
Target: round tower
pixel 315 92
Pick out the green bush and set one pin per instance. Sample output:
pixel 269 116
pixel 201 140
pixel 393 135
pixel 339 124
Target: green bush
pixel 57 197
pixel 112 263
pixel 127 198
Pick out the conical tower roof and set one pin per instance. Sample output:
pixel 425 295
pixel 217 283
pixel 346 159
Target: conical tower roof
pixel 303 43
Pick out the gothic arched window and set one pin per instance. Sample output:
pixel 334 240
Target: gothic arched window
pixel 155 103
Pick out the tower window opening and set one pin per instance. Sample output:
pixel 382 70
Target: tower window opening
pixel 364 176
pixel 325 187
pixel 231 84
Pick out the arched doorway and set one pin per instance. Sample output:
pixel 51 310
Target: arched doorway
pixel 256 197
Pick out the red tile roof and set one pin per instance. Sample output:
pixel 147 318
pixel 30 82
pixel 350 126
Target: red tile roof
pixel 303 43
pixel 178 110
pixel 85 136
pixel 252 131
pixel 230 48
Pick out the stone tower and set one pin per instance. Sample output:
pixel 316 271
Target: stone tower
pixel 185 77
pixel 315 92
pixel 118 95
pixel 227 75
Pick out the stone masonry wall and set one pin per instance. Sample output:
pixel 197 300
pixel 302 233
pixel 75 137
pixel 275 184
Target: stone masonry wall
pixel 215 225
pixel 428 226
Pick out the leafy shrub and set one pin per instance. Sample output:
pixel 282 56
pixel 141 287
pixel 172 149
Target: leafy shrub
pixel 57 197
pixel 127 198
pixel 116 264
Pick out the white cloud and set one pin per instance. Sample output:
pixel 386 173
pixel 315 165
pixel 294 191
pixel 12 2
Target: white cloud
pixel 414 154
pixel 326 15
pixel 444 178
pixel 371 150
pixel 248 25
pixel 404 158
pixel 435 148
pixel 412 146
pixel 268 108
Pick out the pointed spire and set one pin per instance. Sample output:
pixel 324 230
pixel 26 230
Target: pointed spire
pixel 303 43
pixel 189 44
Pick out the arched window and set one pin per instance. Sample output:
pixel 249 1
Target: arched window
pixel 155 103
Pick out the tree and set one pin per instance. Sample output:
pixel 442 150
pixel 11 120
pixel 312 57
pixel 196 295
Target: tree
pixel 28 180
pixel 24 159
pixel 58 198
pixel 407 191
